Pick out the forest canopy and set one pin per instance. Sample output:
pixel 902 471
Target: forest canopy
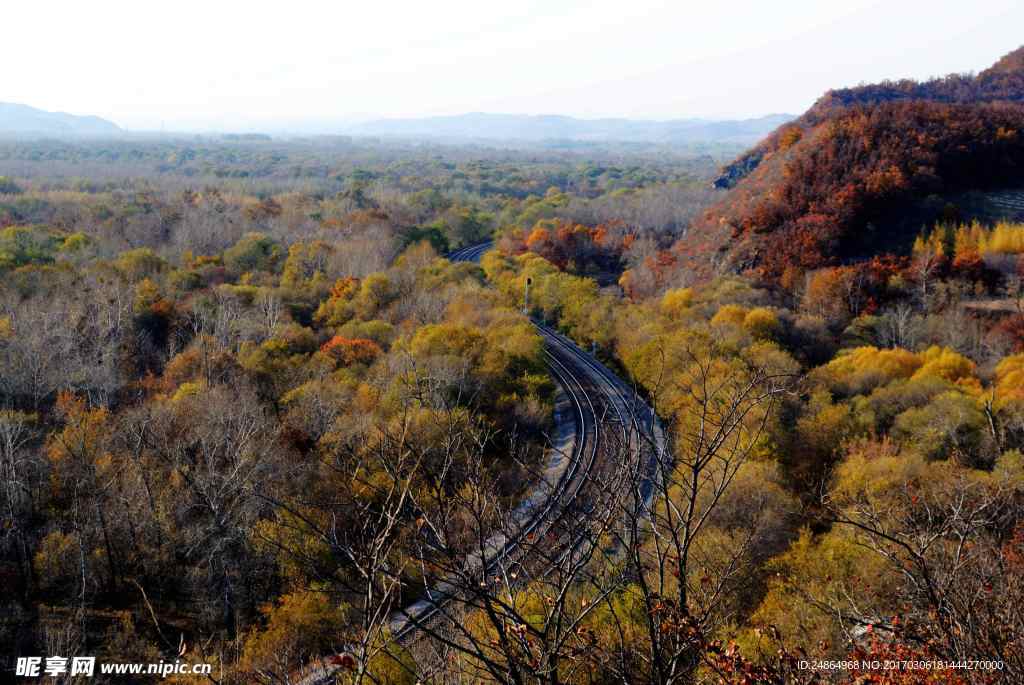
pixel 249 410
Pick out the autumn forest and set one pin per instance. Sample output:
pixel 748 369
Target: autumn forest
pixel 256 403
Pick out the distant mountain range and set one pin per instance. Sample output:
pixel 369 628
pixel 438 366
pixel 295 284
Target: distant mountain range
pixel 22 120
pixel 479 126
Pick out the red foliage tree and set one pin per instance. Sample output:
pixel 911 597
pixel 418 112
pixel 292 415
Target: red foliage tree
pixel 348 351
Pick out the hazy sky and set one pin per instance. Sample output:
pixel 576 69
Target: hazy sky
pixel 218 64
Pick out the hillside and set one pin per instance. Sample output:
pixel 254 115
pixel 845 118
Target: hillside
pixel 862 170
pixel 22 120
pixel 481 126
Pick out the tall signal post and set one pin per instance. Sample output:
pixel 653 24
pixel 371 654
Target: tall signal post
pixel 526 297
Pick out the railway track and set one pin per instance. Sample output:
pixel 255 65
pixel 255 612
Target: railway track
pixel 608 414
pixel 472 253
pixel 603 403
pixel 534 521
pixel 598 405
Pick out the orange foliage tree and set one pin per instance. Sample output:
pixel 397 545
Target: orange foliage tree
pixel 348 351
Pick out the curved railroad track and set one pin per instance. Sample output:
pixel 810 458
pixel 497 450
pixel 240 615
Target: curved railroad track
pixel 604 405
pixel 614 435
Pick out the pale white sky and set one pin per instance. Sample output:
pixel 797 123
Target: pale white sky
pixel 229 65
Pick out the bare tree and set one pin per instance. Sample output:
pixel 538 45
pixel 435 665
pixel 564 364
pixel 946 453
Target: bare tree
pixel 361 520
pixel 271 312
pixel 926 262
pixel 955 549
pixel 20 471
pixel 683 587
pixel 214 449
pixel 899 327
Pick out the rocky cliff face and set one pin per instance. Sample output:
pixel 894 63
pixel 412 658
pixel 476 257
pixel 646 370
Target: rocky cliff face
pixel 738 170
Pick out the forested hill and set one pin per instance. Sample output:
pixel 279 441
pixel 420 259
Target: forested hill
pixel 22 120
pixel 862 170
pixel 1002 82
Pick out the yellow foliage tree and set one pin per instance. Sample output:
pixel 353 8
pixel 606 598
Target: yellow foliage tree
pixel 762 323
pixel 730 314
pixel 945 363
pixel 675 302
pixel 301 626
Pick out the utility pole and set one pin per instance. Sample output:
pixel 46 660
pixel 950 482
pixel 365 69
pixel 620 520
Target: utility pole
pixel 526 297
